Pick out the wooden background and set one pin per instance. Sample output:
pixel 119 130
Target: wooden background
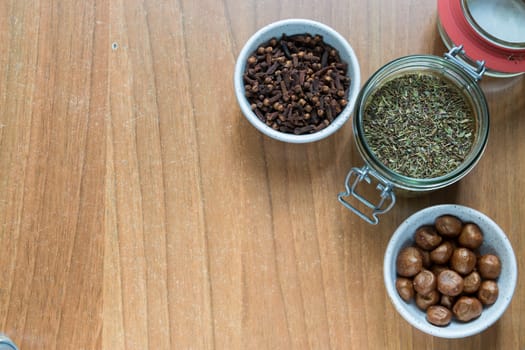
pixel 139 209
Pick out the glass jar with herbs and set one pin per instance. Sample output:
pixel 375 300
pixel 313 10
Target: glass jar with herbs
pixel 421 123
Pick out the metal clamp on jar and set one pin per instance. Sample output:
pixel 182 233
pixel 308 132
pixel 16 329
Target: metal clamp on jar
pixel 450 72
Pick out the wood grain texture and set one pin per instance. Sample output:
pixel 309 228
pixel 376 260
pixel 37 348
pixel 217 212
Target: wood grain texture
pixel 139 209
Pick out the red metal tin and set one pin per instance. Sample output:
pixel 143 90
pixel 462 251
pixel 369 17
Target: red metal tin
pixel 461 23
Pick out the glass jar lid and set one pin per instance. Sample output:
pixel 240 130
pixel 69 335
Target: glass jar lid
pixel 492 31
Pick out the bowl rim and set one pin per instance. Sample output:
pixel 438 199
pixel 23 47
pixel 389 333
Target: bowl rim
pixel 261 36
pixel 470 328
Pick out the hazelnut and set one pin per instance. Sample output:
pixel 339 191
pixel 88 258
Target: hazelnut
pixel 470 236
pixel 427 238
pixel 405 288
pixel 463 260
pixel 445 273
pixel 427 263
pixel 488 292
pixel 442 253
pixel 448 226
pixel 489 266
pixel 467 308
pixel 450 283
pixel 447 301
pixel 424 282
pixel 424 301
pixel 439 315
pixel 471 282
pixel 409 262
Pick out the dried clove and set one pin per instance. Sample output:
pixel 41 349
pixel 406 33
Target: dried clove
pixel 296 84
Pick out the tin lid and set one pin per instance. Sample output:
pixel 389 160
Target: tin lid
pixel 501 22
pixel 490 30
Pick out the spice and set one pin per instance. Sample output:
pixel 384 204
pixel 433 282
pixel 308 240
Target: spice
pixel 296 84
pixel 419 125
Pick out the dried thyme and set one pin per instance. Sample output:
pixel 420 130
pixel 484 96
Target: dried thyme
pixel 419 125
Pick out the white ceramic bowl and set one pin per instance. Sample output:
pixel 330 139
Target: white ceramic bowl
pixel 291 27
pixel 495 241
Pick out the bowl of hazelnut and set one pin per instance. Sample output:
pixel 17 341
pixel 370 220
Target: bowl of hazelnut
pixel 297 80
pixel 450 271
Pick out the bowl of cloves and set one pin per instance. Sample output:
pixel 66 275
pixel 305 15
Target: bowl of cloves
pixel 450 271
pixel 297 80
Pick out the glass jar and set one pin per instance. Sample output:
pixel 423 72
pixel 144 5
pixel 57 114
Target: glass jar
pixel 451 69
pixel 492 30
